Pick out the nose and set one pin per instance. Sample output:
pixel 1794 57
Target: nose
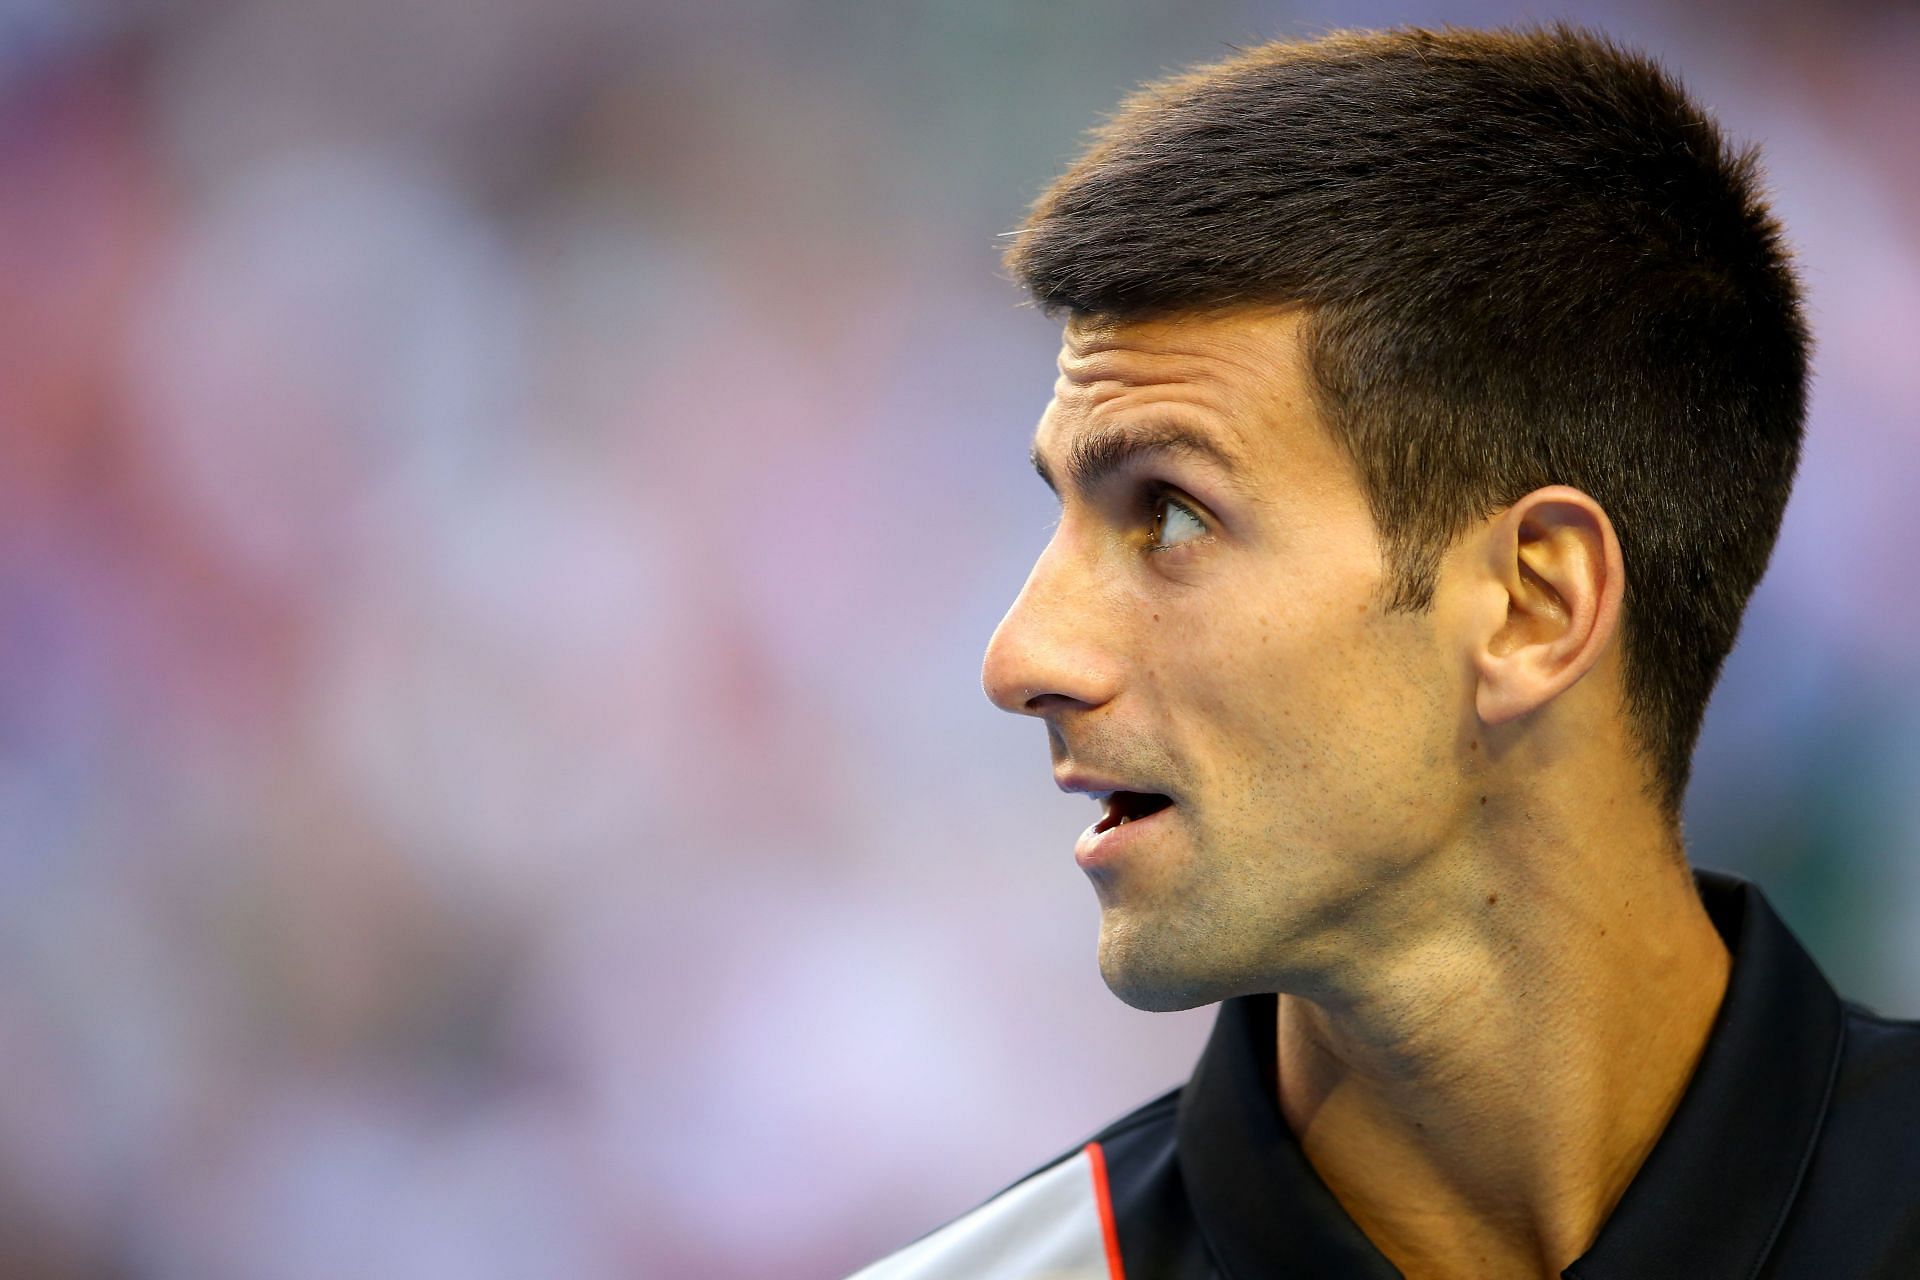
pixel 1054 647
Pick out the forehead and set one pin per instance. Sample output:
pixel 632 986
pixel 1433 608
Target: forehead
pixel 1238 378
pixel 1230 337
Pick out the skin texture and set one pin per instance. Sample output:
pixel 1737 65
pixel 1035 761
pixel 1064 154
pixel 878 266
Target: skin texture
pixel 1427 831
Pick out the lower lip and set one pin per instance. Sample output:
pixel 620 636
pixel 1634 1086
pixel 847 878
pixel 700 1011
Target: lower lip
pixel 1096 849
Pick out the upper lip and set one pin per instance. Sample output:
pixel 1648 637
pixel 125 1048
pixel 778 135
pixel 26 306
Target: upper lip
pixel 1100 786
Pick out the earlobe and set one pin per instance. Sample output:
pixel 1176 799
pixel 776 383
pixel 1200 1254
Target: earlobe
pixel 1558 569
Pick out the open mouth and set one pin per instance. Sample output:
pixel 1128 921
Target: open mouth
pixel 1123 807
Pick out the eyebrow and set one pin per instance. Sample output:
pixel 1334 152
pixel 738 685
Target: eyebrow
pixel 1095 457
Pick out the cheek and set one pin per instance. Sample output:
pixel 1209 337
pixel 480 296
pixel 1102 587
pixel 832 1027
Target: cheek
pixel 1242 696
pixel 1328 714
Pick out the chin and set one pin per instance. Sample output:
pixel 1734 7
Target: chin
pixel 1158 984
pixel 1157 999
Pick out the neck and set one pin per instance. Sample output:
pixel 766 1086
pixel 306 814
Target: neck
pixel 1479 1099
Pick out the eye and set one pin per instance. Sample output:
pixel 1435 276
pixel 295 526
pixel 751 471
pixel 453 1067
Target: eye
pixel 1174 523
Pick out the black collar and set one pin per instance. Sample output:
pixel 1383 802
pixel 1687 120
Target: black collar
pixel 1708 1201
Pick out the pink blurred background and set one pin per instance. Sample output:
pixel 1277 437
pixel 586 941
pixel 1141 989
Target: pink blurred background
pixel 501 505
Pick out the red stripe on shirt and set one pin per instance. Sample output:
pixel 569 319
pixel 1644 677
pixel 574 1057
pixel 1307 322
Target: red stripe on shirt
pixel 1103 1198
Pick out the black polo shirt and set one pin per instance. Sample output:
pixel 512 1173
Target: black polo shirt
pixel 1794 1152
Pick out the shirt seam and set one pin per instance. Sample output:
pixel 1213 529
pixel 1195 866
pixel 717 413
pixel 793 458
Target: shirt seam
pixel 1806 1157
pixel 1860 1014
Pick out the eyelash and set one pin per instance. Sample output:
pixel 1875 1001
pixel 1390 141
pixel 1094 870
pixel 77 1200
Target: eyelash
pixel 1157 496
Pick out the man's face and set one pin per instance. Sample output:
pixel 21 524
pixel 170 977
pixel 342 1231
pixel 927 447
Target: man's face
pixel 1209 629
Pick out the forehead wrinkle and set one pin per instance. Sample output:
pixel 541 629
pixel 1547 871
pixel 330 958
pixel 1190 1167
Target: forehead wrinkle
pixel 1106 397
pixel 1235 339
pixel 1125 382
pixel 1130 368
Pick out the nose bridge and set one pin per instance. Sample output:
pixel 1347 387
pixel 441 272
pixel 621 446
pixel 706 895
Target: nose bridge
pixel 1052 641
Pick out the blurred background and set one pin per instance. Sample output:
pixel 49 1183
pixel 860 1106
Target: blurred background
pixel 501 505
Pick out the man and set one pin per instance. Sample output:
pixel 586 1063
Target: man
pixel 1427 408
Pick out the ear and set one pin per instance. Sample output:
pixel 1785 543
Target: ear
pixel 1555 557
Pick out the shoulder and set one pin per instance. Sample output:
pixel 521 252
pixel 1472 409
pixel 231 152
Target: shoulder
pixel 1879 1040
pixel 1055 1223
pixel 1857 1200
pixel 1876 1090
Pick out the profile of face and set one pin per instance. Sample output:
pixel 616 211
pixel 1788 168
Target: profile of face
pixel 1207 628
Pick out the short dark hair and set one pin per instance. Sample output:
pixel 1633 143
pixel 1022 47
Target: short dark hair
pixel 1528 258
